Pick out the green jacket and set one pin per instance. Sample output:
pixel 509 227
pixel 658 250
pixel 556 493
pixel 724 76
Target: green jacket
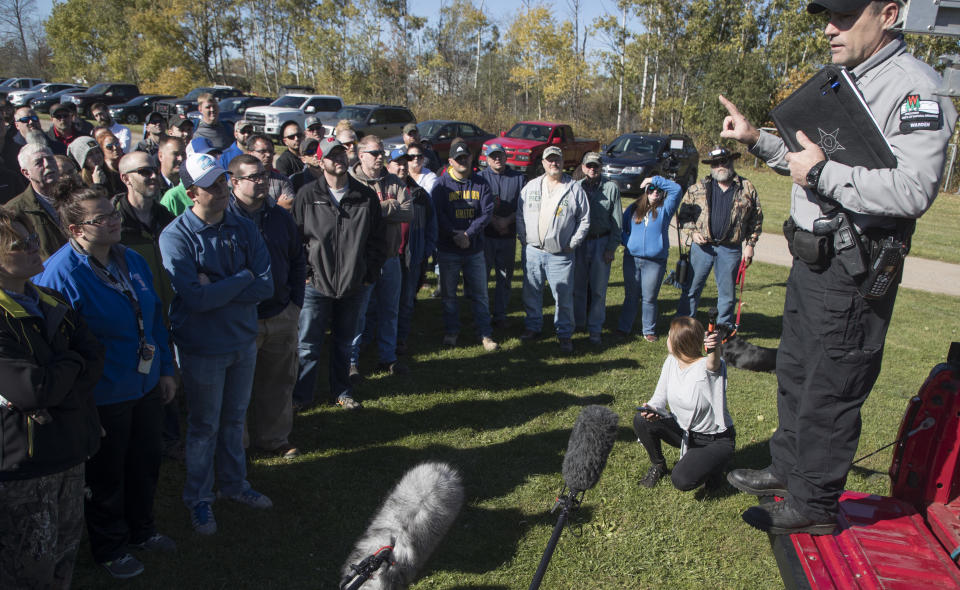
pixel 52 236
pixel 746 217
pixel 176 200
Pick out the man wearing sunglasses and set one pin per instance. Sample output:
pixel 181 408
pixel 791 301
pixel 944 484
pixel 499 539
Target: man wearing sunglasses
pixel 63 131
pixel 242 130
pixel 722 226
pixel 289 163
pixel 25 119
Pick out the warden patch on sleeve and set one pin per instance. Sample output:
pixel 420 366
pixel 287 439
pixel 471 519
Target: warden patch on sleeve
pixel 917 114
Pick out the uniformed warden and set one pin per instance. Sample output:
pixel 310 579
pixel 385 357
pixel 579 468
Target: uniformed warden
pixel 832 340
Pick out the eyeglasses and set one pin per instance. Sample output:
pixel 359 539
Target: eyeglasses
pixel 651 189
pixel 315 128
pixel 348 144
pixel 102 219
pixel 294 136
pixel 374 153
pixel 255 178
pixel 415 156
pixel 721 164
pixel 593 166
pixel 245 130
pixel 112 146
pixel 463 160
pixel 27 244
pixel 146 171
pixel 62 115
pixel 30 119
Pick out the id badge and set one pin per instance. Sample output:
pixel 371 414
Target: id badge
pixel 146 358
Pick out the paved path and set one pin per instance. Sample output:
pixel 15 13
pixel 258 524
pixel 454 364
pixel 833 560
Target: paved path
pixel 919 273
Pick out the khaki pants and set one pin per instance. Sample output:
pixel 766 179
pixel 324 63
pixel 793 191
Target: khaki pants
pixel 270 415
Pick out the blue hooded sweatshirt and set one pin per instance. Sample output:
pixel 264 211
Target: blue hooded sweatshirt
pixel 649 238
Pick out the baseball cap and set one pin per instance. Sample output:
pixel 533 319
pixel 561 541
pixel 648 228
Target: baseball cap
pixel 494 148
pixel 59 107
pixel 154 117
pixel 398 153
pixel 309 147
pixel 410 128
pixel 311 121
pixel 841 6
pixel 177 121
pixel 592 158
pixel 552 151
pixel 327 145
pixel 244 123
pixel 199 145
pixel 200 170
pixel 459 149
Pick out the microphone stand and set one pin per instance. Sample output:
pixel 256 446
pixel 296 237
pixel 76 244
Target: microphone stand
pixel 366 568
pixel 567 504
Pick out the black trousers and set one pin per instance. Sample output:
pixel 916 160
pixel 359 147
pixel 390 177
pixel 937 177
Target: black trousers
pixel 828 360
pixel 122 476
pixel 706 454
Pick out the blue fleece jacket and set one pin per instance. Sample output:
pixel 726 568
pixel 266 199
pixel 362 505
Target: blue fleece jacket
pixel 112 319
pixel 649 238
pixel 220 317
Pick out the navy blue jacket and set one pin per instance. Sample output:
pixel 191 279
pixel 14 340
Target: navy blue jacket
pixel 505 189
pixel 461 205
pixel 288 261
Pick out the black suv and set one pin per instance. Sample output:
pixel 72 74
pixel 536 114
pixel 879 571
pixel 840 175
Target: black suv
pixel 182 106
pixel 381 120
pixel 106 92
pixel 635 156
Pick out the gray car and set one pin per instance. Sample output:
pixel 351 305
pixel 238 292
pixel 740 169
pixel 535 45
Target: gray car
pixel 378 119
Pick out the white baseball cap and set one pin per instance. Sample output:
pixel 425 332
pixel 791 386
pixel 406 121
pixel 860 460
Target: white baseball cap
pixel 200 170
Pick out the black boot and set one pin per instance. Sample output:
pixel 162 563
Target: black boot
pixel 780 518
pixel 656 471
pixel 759 482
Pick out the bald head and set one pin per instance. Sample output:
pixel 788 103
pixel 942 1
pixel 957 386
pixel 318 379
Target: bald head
pixel 133 161
pixel 141 178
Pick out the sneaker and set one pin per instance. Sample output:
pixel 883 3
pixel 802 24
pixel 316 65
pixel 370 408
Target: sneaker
pixel 650 337
pixel 158 542
pixel 201 517
pixel 595 338
pixel 348 403
pixel 489 344
pixel 653 475
pixel 286 452
pixel 394 368
pixel 449 339
pixel 566 345
pixel 528 335
pixel 125 566
pixel 355 375
pixel 251 498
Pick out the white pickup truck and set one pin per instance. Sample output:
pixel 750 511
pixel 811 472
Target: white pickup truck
pixel 270 120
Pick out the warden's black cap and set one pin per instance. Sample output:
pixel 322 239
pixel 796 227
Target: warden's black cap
pixel 841 6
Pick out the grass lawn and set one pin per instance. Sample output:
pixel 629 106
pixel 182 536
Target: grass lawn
pixel 938 231
pixel 504 419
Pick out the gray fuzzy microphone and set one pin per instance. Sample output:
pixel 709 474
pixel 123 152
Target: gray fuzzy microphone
pixel 409 526
pixel 590 443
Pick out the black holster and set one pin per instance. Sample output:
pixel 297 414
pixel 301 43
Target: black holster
pixel 812 249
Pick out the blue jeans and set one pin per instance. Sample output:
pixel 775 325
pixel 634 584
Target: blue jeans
pixel 341 315
pixel 379 312
pixel 558 270
pixel 217 389
pixel 500 254
pixel 474 272
pixel 641 282
pixel 702 259
pixel 592 274
pixel 409 285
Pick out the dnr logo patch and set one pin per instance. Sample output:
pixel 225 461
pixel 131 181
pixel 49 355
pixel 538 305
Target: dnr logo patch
pixel 917 114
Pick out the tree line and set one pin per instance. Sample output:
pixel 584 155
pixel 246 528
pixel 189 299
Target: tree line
pixel 652 65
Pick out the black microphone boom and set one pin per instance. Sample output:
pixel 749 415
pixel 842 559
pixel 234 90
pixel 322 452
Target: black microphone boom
pixel 590 443
pixel 409 526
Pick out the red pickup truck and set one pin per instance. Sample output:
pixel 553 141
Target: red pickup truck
pixel 525 142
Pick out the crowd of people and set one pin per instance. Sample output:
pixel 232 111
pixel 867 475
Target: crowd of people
pixel 200 261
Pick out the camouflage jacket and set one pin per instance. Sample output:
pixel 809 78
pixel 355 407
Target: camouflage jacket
pixel 746 218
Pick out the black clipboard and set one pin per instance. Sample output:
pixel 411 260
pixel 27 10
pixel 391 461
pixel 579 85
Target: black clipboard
pixel 829 109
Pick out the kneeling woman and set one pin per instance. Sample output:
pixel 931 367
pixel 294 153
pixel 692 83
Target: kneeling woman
pixel 695 389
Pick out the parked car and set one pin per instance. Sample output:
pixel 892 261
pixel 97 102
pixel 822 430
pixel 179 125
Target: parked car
pixel 19 98
pixel 292 108
pixel 106 92
pixel 441 132
pixel 233 109
pixel 136 109
pixel 525 142
pixel 42 104
pixel 379 119
pixel 182 106
pixel 11 84
pixel 635 156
